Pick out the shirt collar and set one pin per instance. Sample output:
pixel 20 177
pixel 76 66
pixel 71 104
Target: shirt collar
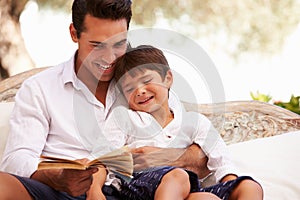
pixel 69 75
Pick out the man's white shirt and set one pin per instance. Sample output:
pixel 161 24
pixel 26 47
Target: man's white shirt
pixel 56 115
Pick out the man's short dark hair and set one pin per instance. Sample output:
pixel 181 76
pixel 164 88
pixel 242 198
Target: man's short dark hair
pixel 104 9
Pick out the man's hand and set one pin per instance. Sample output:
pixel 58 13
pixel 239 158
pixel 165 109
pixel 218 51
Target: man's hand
pixel 194 160
pixel 191 158
pixel 74 182
pixel 147 156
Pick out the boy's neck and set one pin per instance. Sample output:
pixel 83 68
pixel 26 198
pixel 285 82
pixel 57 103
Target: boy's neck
pixel 163 116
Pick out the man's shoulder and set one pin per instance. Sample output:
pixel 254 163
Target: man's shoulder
pixel 47 74
pixel 52 74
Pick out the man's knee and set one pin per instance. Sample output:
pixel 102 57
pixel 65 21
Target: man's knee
pixel 12 188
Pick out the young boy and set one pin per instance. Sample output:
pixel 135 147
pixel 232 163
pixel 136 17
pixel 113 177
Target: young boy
pixel 144 78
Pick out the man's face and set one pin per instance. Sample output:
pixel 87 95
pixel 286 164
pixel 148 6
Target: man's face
pixel 99 45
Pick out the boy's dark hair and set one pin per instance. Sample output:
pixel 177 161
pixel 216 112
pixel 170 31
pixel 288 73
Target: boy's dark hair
pixel 104 9
pixel 139 59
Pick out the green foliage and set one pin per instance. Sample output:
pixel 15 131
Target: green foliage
pixel 260 97
pixel 293 105
pixel 248 26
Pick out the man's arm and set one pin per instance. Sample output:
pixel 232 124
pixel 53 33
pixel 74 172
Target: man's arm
pixel 191 158
pixel 74 182
pixel 194 160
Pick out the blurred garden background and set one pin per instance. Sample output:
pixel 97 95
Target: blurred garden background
pixel 254 44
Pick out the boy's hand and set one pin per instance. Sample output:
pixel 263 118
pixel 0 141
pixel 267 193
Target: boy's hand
pixel 95 191
pixel 95 195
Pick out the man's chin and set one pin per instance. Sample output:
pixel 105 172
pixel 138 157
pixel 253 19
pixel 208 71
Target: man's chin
pixel 105 78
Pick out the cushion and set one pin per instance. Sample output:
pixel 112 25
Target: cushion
pixel 273 161
pixel 5 110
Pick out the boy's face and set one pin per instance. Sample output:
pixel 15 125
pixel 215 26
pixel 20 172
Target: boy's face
pixel 99 45
pixel 146 91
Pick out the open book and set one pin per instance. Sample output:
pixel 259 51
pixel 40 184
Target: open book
pixel 119 160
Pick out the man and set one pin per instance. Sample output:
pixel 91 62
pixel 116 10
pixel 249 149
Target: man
pixel 52 110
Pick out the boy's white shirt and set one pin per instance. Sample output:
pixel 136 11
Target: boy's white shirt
pixel 142 129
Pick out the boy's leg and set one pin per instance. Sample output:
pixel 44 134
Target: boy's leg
pixel 145 183
pixel 202 196
pixel 12 188
pixel 247 190
pixel 111 193
pixel 230 190
pixel 174 185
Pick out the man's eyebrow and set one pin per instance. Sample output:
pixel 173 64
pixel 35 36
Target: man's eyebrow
pixel 121 41
pixel 104 43
pixel 96 42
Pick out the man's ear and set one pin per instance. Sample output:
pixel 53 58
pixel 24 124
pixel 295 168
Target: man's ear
pixel 169 79
pixel 73 33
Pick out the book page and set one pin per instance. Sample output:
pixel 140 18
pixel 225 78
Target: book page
pixel 119 160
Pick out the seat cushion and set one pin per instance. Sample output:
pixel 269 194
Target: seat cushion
pixel 273 161
pixel 5 111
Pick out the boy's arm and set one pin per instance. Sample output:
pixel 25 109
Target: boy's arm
pixel 95 191
pixel 191 158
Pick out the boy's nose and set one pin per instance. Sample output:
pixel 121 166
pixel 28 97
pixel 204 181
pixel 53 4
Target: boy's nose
pixel 141 91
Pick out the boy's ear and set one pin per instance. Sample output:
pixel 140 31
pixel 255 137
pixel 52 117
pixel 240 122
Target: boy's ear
pixel 73 33
pixel 169 79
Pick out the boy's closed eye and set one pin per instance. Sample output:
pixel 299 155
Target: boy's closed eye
pixel 147 81
pixel 128 90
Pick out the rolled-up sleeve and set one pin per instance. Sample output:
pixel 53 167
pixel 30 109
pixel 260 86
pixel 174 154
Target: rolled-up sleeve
pixel 215 148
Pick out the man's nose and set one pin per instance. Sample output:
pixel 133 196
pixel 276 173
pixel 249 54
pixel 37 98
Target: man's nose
pixel 109 56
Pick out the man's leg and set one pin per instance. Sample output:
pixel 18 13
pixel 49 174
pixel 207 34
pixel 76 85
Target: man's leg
pixel 12 188
pixel 17 187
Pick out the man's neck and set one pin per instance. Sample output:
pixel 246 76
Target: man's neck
pixel 101 91
pixel 98 88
